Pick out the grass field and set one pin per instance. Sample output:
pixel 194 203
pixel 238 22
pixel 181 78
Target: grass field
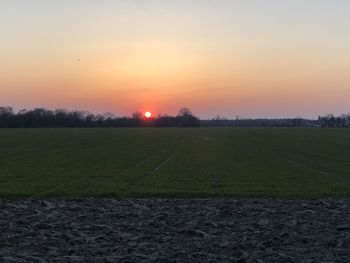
pixel 175 162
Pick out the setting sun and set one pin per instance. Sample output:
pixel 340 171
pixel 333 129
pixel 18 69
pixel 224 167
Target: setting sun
pixel 148 114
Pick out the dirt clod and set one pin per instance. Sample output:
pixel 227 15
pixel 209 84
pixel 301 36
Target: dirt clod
pixel 175 230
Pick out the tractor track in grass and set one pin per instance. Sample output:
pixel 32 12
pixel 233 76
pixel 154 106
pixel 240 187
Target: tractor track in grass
pixel 306 167
pixel 142 176
pixel 175 230
pixel 211 170
pixel 143 161
pixel 29 154
pixel 77 164
pixel 169 157
pixel 159 166
pixel 216 181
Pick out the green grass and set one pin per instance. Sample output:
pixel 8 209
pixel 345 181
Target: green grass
pixel 244 162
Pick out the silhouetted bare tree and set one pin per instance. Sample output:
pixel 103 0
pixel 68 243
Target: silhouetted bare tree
pixel 187 119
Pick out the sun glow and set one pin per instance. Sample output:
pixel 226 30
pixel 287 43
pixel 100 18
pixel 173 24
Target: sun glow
pixel 148 114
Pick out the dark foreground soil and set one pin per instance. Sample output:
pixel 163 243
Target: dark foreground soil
pixel 170 230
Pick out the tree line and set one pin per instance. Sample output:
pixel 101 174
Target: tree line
pixel 334 121
pixel 329 120
pixel 41 117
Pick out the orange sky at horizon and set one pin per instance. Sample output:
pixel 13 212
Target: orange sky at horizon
pixel 167 56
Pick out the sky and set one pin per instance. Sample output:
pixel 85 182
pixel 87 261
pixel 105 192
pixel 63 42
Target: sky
pixel 248 58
